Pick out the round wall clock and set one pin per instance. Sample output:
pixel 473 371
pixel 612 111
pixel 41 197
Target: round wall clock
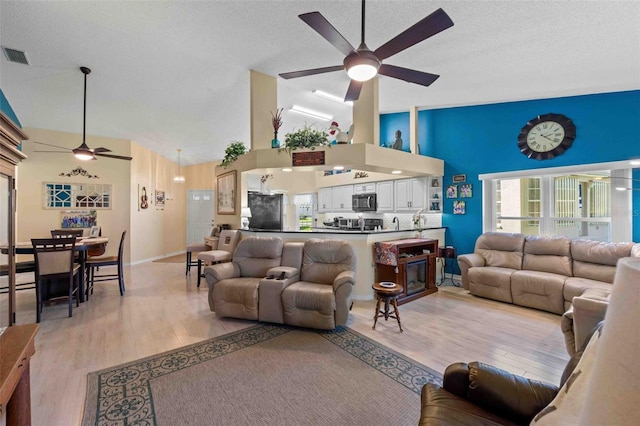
pixel 546 136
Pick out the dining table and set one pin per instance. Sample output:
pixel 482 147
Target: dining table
pixel 83 245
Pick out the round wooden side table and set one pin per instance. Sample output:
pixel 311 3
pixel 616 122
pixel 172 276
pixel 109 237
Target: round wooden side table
pixel 388 295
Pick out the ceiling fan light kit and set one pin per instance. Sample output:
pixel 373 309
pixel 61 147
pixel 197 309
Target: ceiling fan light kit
pixel 363 64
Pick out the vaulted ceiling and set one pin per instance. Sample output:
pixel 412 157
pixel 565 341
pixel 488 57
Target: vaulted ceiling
pixel 175 74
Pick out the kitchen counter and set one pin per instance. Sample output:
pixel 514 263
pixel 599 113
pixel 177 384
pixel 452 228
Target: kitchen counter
pixel 362 242
pixel 331 230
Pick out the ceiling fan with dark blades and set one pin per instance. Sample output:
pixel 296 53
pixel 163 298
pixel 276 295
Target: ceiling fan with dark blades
pixel 362 64
pixel 83 152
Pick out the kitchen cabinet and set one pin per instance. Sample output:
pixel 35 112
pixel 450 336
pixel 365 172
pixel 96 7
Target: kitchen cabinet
pixel 341 198
pixel 410 194
pixel 385 196
pixel 325 200
pixel 364 188
pixel 434 199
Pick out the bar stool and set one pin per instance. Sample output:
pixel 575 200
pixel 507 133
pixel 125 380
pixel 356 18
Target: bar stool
pixel 387 292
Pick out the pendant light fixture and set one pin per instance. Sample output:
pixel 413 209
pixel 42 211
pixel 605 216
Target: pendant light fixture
pixel 179 178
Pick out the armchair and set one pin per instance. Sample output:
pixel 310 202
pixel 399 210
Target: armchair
pixel 223 252
pixel 322 297
pixel 479 394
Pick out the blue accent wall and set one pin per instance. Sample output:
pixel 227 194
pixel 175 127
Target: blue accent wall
pixel 483 139
pixel 6 108
pixel 389 123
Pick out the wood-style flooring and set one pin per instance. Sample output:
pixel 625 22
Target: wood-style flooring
pixel 162 310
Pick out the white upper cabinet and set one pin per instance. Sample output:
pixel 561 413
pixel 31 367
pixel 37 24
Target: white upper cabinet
pixel 385 196
pixel 324 200
pixel 341 198
pixel 410 194
pixel 364 188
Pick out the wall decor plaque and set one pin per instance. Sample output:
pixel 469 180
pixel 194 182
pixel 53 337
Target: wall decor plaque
pixel 310 158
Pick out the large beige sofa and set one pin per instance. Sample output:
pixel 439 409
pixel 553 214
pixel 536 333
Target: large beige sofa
pixel 303 284
pixel 570 277
pixel 545 273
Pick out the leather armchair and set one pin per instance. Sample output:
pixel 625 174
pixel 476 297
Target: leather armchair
pixel 478 394
pixel 322 297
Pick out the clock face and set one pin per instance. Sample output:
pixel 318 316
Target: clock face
pixel 546 136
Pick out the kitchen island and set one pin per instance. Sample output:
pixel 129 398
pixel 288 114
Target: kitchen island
pixel 363 243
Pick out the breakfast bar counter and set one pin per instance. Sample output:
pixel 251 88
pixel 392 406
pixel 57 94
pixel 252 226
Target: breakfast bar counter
pixel 363 243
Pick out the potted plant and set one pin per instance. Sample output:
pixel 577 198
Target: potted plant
pixel 276 122
pixel 232 152
pixel 305 138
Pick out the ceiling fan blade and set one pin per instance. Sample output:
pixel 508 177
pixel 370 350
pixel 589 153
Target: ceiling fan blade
pixel 412 76
pixel 55 152
pixel 118 157
pixel 353 92
pixel 318 22
pixel 54 146
pixel 431 25
pixel 101 149
pixel 303 73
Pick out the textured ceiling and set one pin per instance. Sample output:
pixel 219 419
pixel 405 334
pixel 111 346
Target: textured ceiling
pixel 175 74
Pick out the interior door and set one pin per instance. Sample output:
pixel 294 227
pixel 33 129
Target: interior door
pixel 200 213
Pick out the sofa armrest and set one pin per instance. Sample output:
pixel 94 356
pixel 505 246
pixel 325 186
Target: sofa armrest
pixel 514 397
pixel 466 261
pixel 344 277
pixel 221 271
pixel 270 297
pixel 587 313
pixel 342 288
pixel 288 271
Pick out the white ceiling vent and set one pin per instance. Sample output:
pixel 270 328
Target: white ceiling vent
pixel 14 55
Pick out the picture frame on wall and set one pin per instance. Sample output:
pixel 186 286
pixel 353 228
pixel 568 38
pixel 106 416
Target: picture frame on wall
pixel 459 178
pixel 459 207
pixel 159 198
pixel 452 191
pixel 466 191
pixel 94 232
pixel 226 185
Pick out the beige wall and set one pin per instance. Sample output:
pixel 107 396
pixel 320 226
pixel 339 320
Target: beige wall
pixel 34 221
pixel 152 233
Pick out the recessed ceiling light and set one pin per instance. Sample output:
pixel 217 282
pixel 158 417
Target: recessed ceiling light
pixel 287 169
pixel 331 97
pixel 396 172
pixel 338 167
pixel 311 113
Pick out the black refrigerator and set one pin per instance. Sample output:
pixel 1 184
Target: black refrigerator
pixel 266 211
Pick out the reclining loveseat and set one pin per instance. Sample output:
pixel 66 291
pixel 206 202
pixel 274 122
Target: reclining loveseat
pixel 303 284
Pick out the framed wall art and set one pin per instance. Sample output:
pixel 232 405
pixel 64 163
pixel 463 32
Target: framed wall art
pixel 452 191
pixel 78 218
pixel 466 191
pixel 227 193
pixel 459 207
pixel 159 198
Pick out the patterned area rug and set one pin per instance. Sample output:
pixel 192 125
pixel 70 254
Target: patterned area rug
pixel 266 374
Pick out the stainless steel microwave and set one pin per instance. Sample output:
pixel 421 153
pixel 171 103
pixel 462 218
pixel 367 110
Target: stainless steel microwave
pixel 364 202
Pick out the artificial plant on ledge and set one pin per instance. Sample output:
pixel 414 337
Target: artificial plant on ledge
pixel 234 150
pixel 305 138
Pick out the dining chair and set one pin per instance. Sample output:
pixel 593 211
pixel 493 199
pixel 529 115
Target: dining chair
pixel 198 247
pixel 66 233
pixel 93 263
pixel 54 260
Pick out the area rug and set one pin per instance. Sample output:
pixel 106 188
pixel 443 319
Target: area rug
pixel 263 375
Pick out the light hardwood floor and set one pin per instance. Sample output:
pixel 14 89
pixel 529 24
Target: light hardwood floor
pixel 162 310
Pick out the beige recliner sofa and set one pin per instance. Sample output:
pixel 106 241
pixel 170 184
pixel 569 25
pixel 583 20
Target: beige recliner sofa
pixel 304 284
pixel 544 273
